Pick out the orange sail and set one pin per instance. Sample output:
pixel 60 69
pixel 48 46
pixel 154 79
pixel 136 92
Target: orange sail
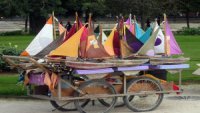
pixel 70 47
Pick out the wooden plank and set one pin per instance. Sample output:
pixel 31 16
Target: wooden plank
pixel 178 66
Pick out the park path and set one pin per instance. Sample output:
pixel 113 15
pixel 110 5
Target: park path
pixel 6 26
pixel 167 106
pixel 33 106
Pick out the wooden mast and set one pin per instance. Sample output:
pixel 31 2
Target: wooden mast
pixel 100 34
pixel 54 31
pixel 77 21
pixel 165 37
pixel 134 17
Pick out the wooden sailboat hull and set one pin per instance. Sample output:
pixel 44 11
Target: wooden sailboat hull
pixel 104 64
pixel 159 61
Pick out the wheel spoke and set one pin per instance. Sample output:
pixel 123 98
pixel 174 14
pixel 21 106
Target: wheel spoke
pixel 144 102
pixel 95 88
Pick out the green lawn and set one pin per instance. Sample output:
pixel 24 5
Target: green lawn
pixel 8 81
pixel 9 86
pixel 191 48
pixel 189 45
pixel 21 41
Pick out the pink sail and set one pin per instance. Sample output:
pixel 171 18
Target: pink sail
pixel 174 47
pixel 128 21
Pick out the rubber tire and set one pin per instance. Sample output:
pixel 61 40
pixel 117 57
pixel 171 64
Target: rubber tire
pixel 126 101
pixel 86 83
pixel 55 105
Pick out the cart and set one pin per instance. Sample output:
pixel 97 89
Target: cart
pixel 105 87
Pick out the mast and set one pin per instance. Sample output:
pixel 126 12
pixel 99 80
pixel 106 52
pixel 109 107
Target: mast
pixel 121 21
pixel 130 18
pixel 77 21
pixel 54 31
pixel 134 17
pixel 100 34
pixel 90 24
pixel 165 37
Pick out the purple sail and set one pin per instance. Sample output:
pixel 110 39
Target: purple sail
pixel 132 41
pixel 174 47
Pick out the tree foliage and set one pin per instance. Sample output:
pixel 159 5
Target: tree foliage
pixel 38 10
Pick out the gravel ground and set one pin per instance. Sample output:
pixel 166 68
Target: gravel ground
pixel 168 105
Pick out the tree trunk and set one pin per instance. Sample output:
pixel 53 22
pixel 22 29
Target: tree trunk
pixel 142 22
pixel 26 24
pixel 142 15
pixel 36 22
pixel 188 19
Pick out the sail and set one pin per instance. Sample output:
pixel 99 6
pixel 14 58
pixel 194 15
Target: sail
pixel 132 41
pixel 130 26
pixel 138 31
pixel 148 47
pixel 95 49
pixel 128 21
pixel 146 35
pixel 159 46
pixel 70 47
pixel 73 30
pixel 110 42
pixel 53 45
pixel 104 38
pixel 116 43
pixel 97 31
pixel 125 49
pixel 42 39
pixel 61 29
pixel 173 46
pixel 83 43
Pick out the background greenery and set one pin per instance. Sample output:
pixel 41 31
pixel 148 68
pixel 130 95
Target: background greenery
pixel 9 86
pixel 35 12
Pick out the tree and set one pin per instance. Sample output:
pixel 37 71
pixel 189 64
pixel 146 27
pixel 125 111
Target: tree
pixel 39 10
pixel 8 8
pixel 36 10
pixel 187 6
pixel 143 9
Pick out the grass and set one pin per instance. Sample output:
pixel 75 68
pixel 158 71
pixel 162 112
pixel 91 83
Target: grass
pixel 8 85
pixel 189 45
pixel 21 41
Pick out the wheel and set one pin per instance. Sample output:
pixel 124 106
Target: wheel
pixel 91 89
pixel 68 105
pixel 143 101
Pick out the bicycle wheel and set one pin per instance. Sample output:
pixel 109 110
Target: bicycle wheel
pixel 66 105
pixel 147 99
pixel 94 88
pixel 69 105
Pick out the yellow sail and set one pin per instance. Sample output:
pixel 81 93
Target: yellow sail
pixel 108 45
pixel 70 47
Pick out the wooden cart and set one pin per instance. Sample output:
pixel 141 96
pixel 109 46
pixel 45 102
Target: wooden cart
pixel 107 85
